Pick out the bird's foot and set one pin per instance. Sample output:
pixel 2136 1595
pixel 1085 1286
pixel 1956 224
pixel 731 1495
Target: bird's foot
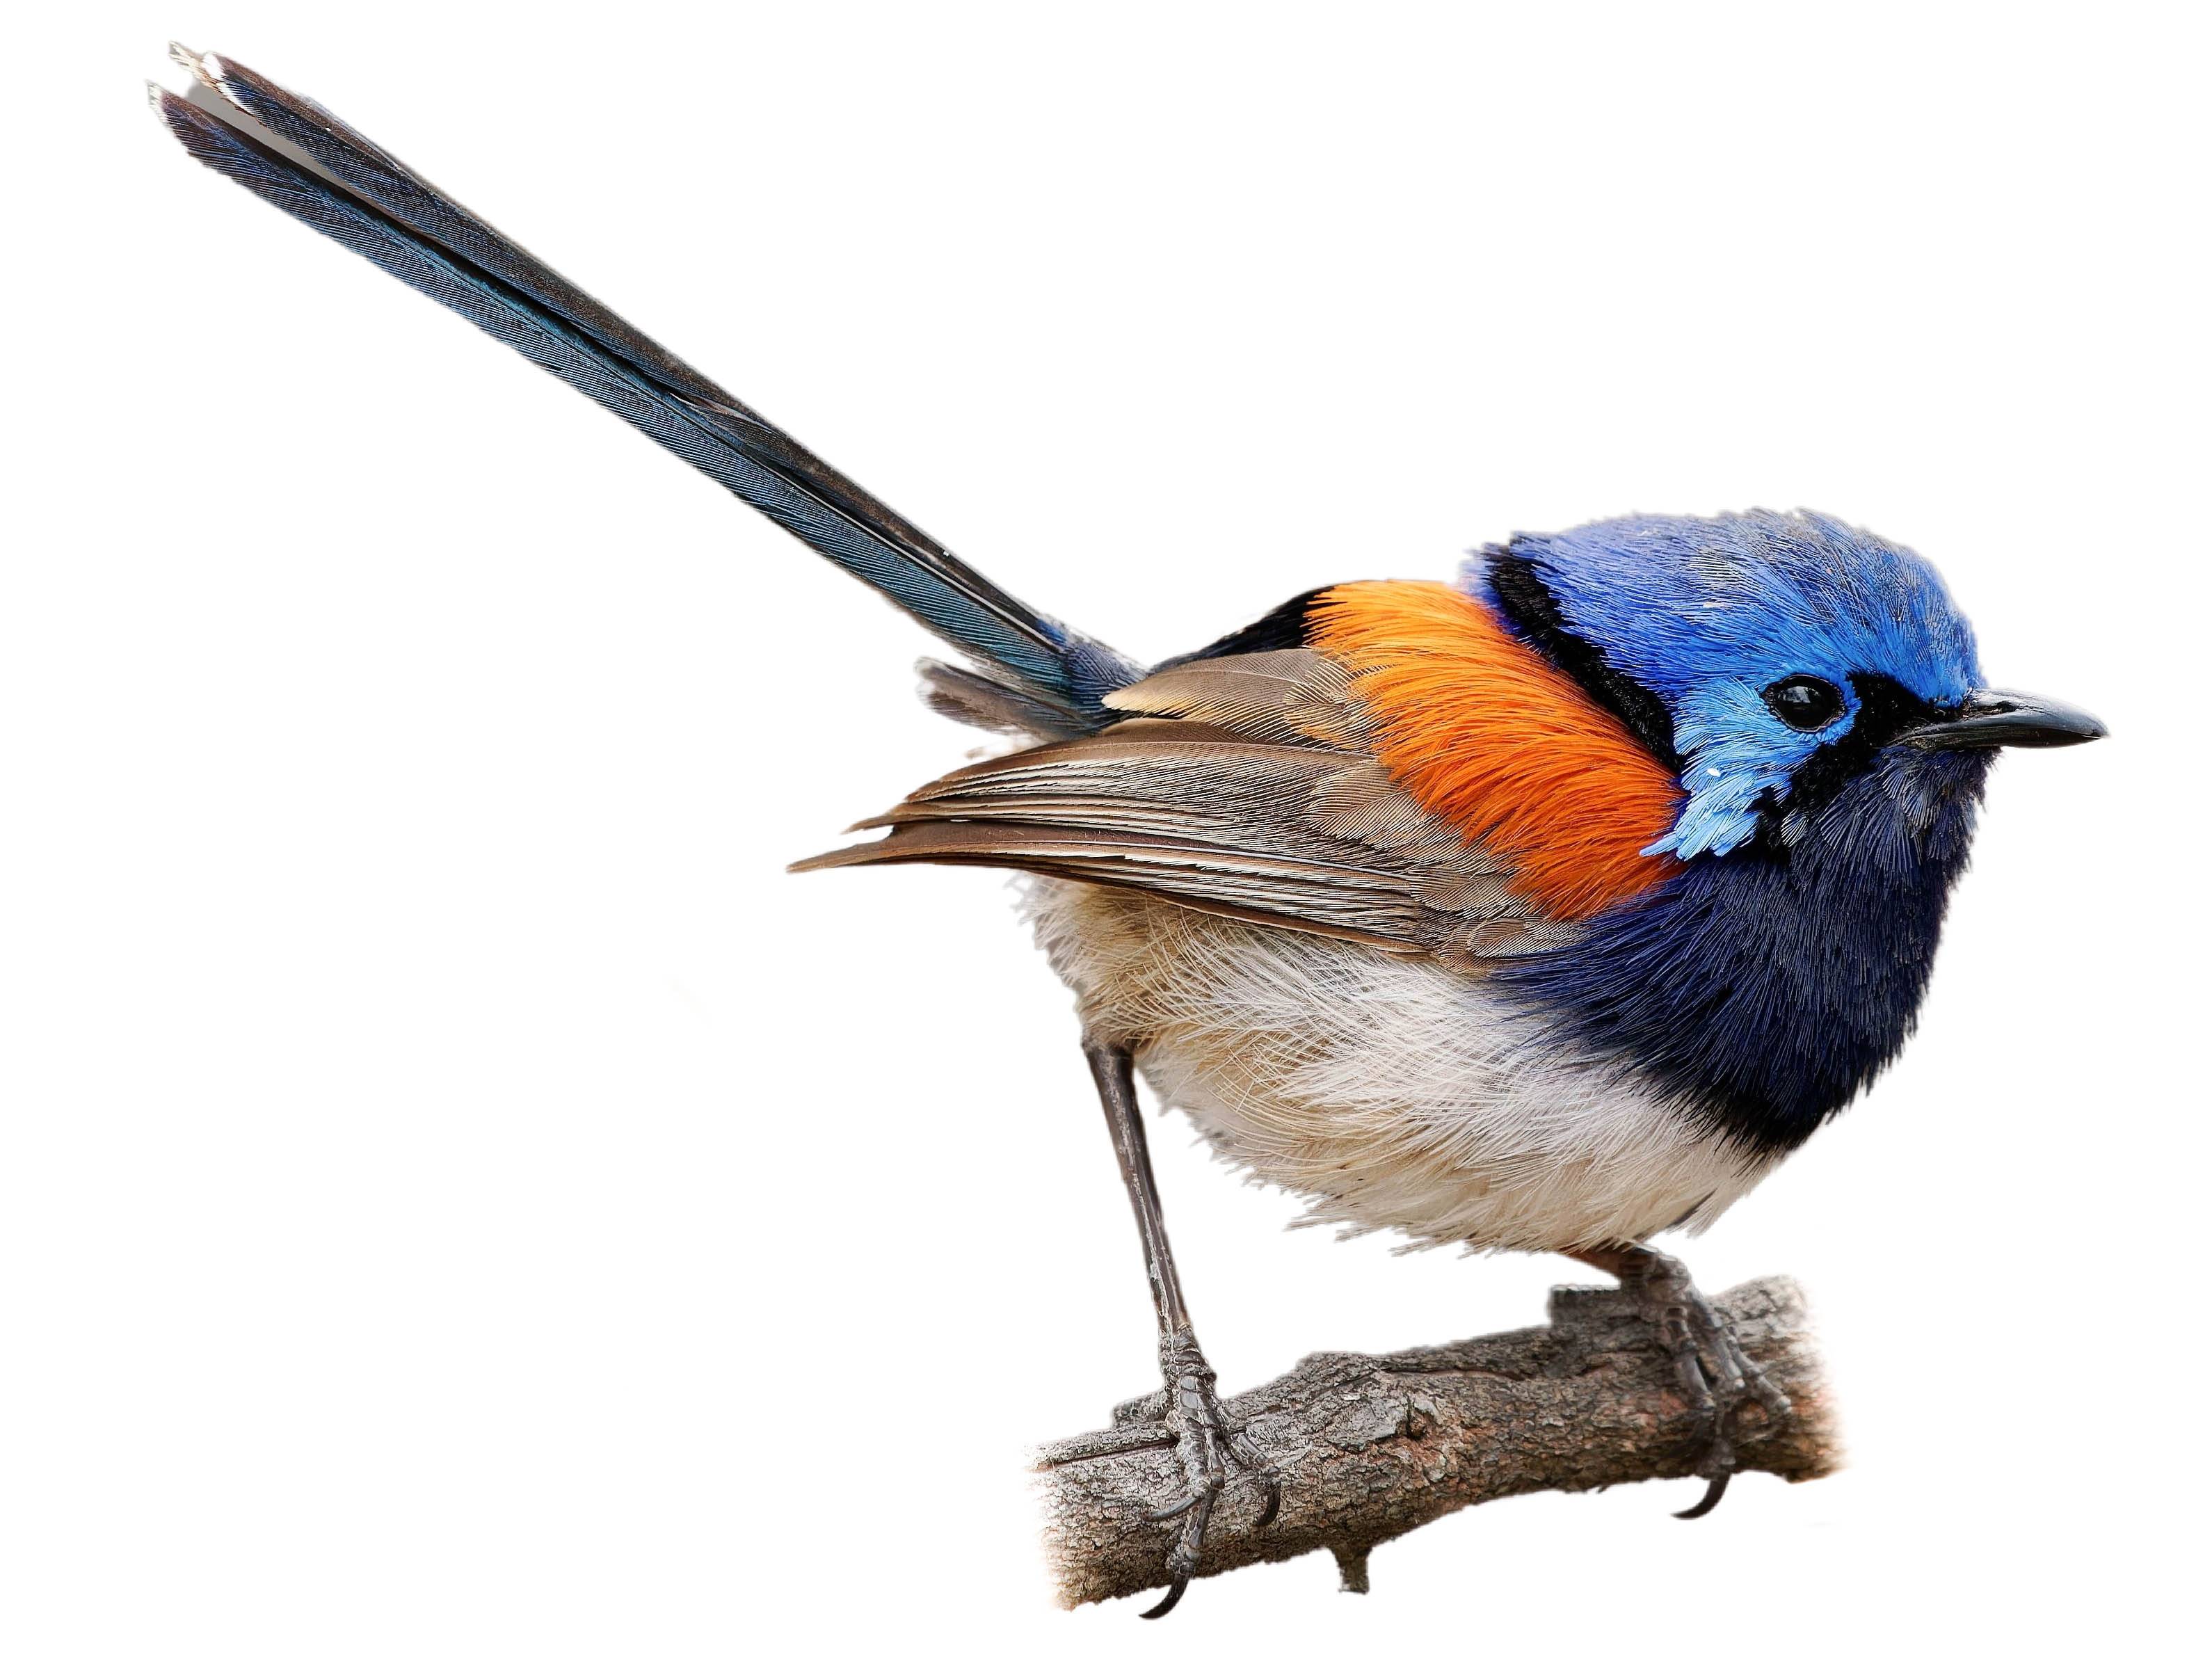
pixel 1718 1377
pixel 1208 1449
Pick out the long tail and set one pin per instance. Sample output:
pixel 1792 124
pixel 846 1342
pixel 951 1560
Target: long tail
pixel 298 156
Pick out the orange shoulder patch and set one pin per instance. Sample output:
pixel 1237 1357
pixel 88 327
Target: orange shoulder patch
pixel 1490 737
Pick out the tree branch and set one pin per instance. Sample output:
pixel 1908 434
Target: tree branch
pixel 1371 1447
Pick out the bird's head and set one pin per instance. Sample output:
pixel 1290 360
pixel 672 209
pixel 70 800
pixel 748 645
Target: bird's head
pixel 1769 660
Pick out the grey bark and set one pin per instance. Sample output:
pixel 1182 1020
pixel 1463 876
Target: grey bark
pixel 1371 1446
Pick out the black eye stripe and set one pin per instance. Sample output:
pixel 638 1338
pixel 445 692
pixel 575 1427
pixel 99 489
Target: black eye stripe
pixel 1886 708
pixel 1529 605
pixel 1804 703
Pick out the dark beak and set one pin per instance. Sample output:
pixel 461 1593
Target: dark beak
pixel 2006 720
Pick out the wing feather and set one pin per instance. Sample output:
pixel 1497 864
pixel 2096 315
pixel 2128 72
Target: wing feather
pixel 1296 695
pixel 1239 786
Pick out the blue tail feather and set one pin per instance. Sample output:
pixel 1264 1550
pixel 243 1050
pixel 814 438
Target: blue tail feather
pixel 302 160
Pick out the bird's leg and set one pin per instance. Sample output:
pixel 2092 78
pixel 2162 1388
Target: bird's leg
pixel 1207 1447
pixel 1717 1375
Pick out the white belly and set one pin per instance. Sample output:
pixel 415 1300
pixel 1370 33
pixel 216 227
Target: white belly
pixel 1390 1091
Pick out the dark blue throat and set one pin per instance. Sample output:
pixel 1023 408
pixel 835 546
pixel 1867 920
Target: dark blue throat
pixel 1763 990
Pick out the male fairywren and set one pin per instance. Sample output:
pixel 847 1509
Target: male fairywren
pixel 1547 910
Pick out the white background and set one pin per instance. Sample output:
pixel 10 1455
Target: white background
pixel 460 1197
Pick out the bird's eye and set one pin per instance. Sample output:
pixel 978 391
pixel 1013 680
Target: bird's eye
pixel 1804 702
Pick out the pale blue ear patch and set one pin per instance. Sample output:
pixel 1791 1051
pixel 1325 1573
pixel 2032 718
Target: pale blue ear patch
pixel 1703 614
pixel 1734 752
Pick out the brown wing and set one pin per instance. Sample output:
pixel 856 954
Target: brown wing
pixel 1242 785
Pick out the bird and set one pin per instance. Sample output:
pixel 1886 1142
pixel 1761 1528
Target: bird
pixel 1545 908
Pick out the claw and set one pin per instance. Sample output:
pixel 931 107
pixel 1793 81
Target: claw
pixel 1274 1504
pixel 1173 1509
pixel 1166 1603
pixel 1715 1487
pixel 1182 1559
pixel 1247 1459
